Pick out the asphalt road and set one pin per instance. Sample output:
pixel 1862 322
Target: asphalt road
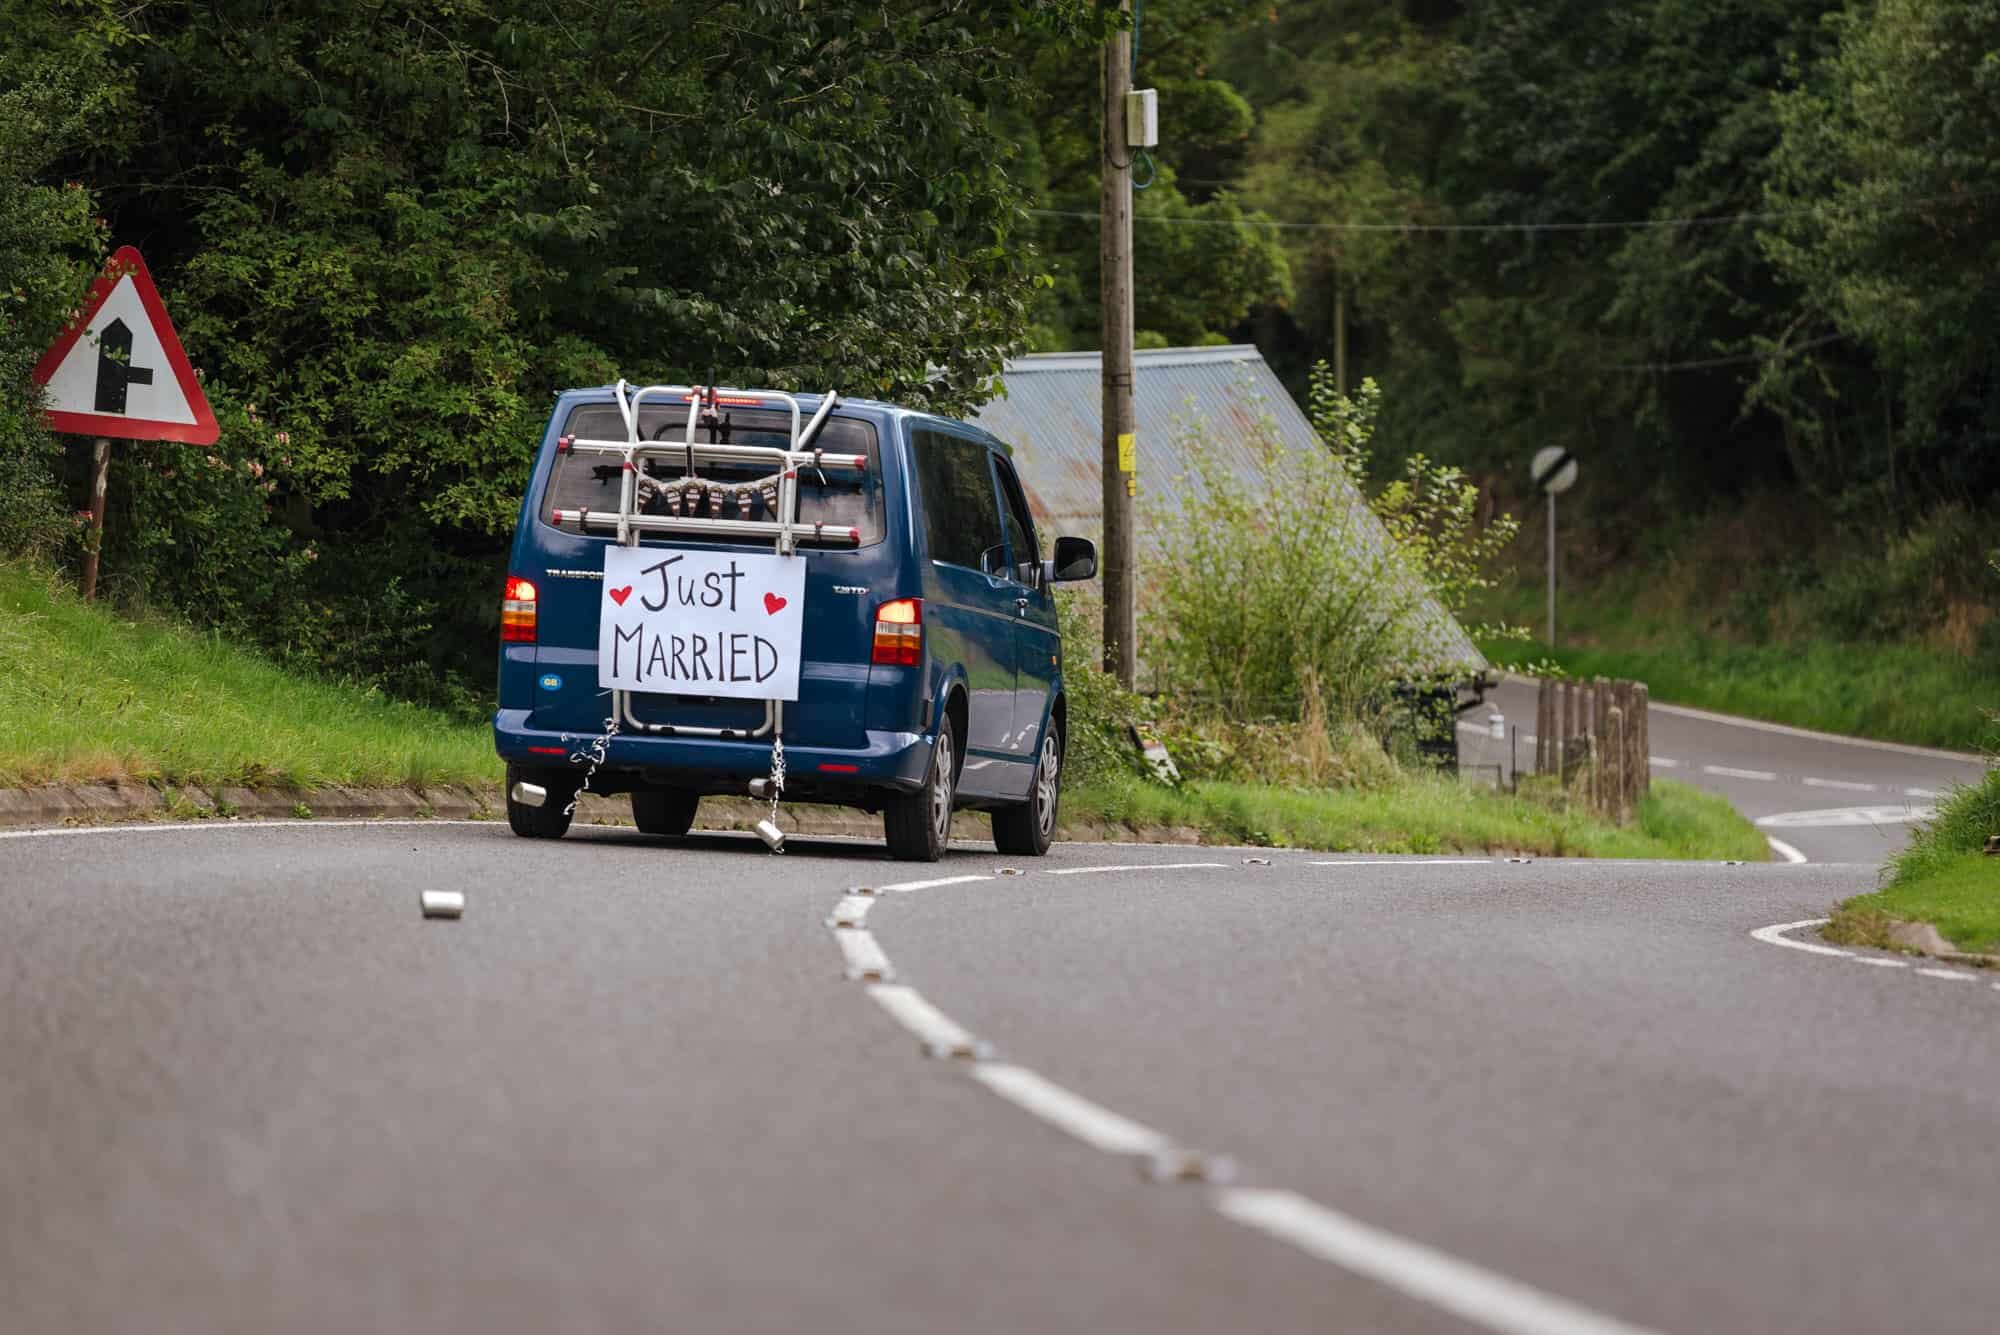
pixel 249 1088
pixel 1832 799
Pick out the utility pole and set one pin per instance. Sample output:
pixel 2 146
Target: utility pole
pixel 1120 470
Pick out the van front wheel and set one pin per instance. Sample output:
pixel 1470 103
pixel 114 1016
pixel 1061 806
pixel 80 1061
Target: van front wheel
pixel 918 825
pixel 1027 830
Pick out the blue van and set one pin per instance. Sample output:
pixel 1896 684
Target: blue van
pixel 928 672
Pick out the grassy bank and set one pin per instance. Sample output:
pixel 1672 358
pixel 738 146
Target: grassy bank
pixel 1425 815
pixel 1941 878
pixel 91 695
pixel 1771 610
pixel 88 695
pixel 1896 693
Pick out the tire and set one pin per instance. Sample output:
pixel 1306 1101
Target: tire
pixel 917 825
pixel 1026 830
pixel 664 811
pixel 550 820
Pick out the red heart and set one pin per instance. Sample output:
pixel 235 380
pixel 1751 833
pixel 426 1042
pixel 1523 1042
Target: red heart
pixel 772 603
pixel 620 595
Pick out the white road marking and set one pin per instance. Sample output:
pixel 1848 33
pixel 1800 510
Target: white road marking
pixel 1785 850
pixel 1661 762
pixel 851 911
pixel 1725 772
pixel 1924 793
pixel 1841 784
pixel 1405 862
pixel 1095 1126
pixel 1950 975
pixel 1139 866
pixel 1844 817
pixel 224 823
pixel 1881 963
pixel 938 1032
pixel 1481 1296
pixel 908 886
pixel 1775 936
pixel 1468 1291
pixel 865 960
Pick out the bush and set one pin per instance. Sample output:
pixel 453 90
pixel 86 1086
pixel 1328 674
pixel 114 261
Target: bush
pixel 1303 591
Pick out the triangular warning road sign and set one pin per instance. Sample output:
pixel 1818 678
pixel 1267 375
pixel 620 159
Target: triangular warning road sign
pixel 118 369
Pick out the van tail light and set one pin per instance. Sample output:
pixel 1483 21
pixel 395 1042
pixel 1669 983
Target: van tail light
pixel 517 611
pixel 899 633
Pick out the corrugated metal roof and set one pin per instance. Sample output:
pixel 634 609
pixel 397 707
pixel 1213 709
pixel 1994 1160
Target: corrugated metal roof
pixel 1050 413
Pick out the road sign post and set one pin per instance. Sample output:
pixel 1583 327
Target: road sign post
pixel 1554 471
pixel 117 371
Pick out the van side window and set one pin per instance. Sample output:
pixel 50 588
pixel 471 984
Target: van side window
pixel 961 509
pixel 1021 545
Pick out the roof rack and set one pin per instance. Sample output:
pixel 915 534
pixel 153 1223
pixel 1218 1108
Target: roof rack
pixel 778 490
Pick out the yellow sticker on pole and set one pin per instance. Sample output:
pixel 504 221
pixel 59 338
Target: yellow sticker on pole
pixel 1128 453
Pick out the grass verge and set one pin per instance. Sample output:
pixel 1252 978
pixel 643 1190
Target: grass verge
pixel 89 695
pixel 1941 878
pixel 1423 815
pixel 1894 693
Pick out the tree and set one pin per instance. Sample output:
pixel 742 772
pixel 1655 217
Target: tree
pixel 1888 197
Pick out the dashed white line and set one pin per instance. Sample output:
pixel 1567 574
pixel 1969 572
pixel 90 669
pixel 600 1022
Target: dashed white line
pixel 1459 1287
pixel 1785 850
pixel 851 911
pixel 938 1032
pixel 1950 975
pixel 1661 762
pixel 1090 1123
pixel 1774 935
pixel 865 960
pixel 1725 772
pixel 1921 793
pixel 1841 784
pixel 907 886
pixel 1140 866
pixel 1881 963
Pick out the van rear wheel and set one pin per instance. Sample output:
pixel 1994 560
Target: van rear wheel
pixel 917 825
pixel 550 820
pixel 1027 830
pixel 664 811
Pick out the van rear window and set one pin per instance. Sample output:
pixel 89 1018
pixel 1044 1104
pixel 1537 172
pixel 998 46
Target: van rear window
pixel 837 497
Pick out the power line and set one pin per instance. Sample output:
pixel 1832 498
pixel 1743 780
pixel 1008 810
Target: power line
pixel 1712 362
pixel 1635 224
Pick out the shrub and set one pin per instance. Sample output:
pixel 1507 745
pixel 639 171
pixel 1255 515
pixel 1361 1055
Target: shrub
pixel 1305 590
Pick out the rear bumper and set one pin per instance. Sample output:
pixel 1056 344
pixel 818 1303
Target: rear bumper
pixel 895 760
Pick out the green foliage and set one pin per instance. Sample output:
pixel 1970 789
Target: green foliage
pixel 57 93
pixel 1306 593
pixel 1890 220
pixel 388 232
pixel 1102 713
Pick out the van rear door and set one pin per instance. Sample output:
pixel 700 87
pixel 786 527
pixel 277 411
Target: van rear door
pixel 838 631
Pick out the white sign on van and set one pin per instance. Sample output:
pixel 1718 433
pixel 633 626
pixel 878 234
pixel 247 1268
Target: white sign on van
pixel 687 622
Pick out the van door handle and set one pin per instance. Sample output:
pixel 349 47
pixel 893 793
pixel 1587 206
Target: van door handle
pixel 1020 607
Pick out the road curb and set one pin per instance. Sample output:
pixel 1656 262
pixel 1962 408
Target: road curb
pixel 126 802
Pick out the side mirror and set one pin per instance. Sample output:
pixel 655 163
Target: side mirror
pixel 1075 559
